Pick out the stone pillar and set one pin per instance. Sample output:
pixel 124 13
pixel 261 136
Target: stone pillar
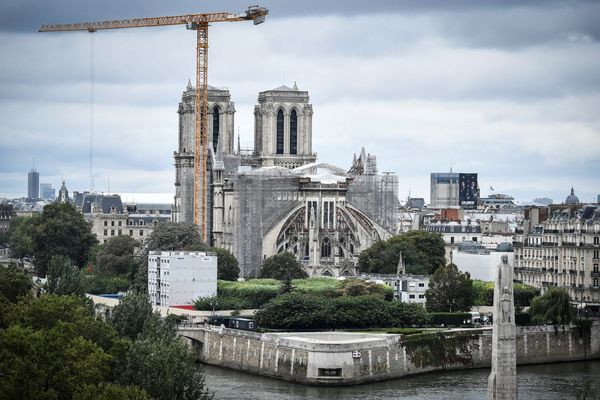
pixel 502 382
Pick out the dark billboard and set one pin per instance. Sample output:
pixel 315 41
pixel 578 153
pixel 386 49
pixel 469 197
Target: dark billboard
pixel 467 191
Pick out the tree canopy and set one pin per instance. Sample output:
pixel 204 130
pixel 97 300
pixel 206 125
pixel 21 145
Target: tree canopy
pixel 19 236
pixel 116 256
pixel 553 307
pixel 64 277
pixel 61 231
pixel 227 265
pixel 282 266
pixel 449 290
pixel 422 253
pixel 13 283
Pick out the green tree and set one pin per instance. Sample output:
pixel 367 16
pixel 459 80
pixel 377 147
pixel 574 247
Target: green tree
pixel 19 236
pixel 553 307
pixel 227 265
pixel 110 391
pixel 63 277
pixel 53 347
pixel 422 253
pixel 116 256
pixel 61 230
pixel 175 236
pixel 282 266
pixel 524 294
pixel 13 283
pixel 130 315
pixel 165 369
pixel 449 290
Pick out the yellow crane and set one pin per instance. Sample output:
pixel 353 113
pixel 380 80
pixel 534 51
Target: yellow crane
pixel 199 23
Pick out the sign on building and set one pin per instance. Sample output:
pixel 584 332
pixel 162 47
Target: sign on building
pixel 468 191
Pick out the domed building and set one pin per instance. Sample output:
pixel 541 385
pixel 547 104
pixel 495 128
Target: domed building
pixel 572 199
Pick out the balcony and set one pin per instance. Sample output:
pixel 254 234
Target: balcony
pixel 595 274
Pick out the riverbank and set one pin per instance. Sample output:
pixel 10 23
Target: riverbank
pixel 341 358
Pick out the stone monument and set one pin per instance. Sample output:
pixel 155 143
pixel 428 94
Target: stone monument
pixel 502 383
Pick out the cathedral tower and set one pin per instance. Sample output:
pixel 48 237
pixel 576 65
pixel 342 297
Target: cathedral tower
pixel 220 136
pixel 283 128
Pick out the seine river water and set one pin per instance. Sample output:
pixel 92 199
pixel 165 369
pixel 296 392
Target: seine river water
pixel 547 381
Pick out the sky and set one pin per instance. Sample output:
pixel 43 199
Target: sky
pixel 506 89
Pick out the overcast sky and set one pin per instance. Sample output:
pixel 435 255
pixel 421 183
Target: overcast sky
pixel 507 89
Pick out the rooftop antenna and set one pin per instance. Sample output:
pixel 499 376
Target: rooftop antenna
pixel 238 146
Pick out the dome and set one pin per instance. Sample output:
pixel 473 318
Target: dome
pixel 572 199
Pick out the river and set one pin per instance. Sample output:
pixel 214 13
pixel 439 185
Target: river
pixel 544 382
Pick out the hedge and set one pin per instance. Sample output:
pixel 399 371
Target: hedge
pixel 298 311
pixel 255 293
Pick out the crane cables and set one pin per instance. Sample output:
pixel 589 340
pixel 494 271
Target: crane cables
pixel 92 111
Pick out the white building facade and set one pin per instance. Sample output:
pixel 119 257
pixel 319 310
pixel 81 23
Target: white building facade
pixel 181 277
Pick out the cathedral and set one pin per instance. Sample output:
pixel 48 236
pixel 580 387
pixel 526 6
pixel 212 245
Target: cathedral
pixel 277 197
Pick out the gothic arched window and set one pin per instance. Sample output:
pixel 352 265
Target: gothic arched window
pixel 325 247
pixel 280 132
pixel 293 132
pixel 215 128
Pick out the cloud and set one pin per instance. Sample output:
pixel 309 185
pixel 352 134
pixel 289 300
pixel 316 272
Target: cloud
pixel 510 91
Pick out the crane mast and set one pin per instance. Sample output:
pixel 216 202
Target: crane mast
pixel 199 23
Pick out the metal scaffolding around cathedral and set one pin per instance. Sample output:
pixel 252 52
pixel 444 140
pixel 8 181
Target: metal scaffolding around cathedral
pixel 277 197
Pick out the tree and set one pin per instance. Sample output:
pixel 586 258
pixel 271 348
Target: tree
pixel 449 290
pixel 110 391
pixel 130 315
pixel 175 236
pixel 282 266
pixel 19 236
pixel 13 283
pixel 165 369
pixel 422 253
pixel 553 307
pixel 53 347
pixel 116 256
pixel 61 231
pixel 63 277
pixel 227 265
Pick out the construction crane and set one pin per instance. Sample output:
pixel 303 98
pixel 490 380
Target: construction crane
pixel 199 23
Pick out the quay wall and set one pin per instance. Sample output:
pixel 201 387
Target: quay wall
pixel 337 358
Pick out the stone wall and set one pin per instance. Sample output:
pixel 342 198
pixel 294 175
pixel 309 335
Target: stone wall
pixel 337 358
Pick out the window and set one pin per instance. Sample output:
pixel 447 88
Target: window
pixel 596 268
pixel 131 232
pixel 120 223
pixel 112 232
pixel 119 232
pixel 474 238
pixel 215 128
pixel 280 132
pixel 596 240
pixel 325 248
pixel 421 284
pixel 293 132
pixel 452 239
pixel 595 282
pixel 596 254
pixel 105 231
pixel 105 223
pixel 421 296
pixel 112 223
pixel 141 232
pixel 411 296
